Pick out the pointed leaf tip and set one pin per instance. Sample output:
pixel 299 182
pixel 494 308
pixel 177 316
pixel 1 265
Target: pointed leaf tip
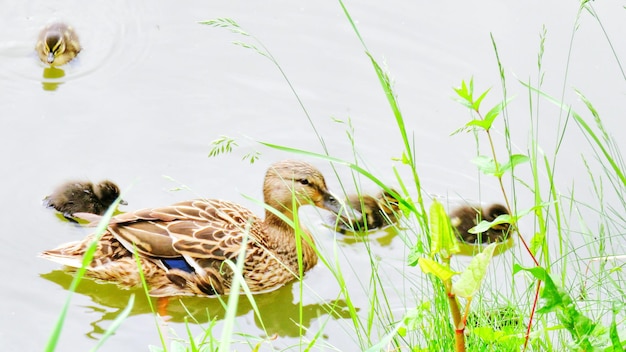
pixel 470 279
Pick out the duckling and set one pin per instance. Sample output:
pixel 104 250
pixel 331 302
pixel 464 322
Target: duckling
pixel 183 248
pixel 376 212
pixel 465 217
pixel 58 44
pixel 83 197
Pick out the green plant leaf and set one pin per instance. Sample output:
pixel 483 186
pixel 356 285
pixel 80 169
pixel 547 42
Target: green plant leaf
pixel 476 103
pixel 478 123
pixel 486 225
pixel 495 112
pixel 470 279
pixel 441 271
pixel 613 333
pixel 488 166
pixel 586 333
pixel 485 164
pixel 515 160
pixel 443 239
pixel 414 255
pixel 465 93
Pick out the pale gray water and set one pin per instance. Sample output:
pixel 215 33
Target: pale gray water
pixel 152 88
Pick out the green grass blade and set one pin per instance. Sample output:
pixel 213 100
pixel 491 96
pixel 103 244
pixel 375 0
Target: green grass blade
pixel 233 297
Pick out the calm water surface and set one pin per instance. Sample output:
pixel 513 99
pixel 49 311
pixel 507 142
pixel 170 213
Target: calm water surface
pixel 152 88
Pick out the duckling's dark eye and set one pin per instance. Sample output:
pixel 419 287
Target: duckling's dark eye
pixel 303 181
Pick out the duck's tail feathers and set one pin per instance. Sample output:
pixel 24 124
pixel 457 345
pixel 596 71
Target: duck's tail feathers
pixel 72 261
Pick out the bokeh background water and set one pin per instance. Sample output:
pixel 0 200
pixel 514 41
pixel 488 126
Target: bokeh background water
pixel 152 88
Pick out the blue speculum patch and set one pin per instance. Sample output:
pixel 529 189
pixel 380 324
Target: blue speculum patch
pixel 177 263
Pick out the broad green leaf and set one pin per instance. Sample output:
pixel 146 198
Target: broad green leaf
pixel 470 279
pixel 443 239
pixel 515 160
pixel 585 332
pixel 486 225
pixel 493 113
pixel 538 272
pixel 485 164
pixel 441 271
pixel 478 123
pixel 414 256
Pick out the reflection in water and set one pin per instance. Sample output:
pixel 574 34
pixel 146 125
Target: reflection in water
pixel 52 73
pixel 279 314
pixel 384 237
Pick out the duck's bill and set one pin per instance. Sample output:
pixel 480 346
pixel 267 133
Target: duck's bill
pixel 332 203
pixel 50 57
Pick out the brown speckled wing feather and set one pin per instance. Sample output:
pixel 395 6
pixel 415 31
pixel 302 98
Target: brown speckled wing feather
pixel 211 229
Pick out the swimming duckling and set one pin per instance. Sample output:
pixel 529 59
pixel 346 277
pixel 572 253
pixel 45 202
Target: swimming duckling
pixel 83 197
pixel 376 212
pixel 465 217
pixel 58 44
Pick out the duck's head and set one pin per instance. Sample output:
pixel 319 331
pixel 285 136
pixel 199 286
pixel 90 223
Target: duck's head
pixel 107 192
pixel 389 202
pixel 493 211
pixel 292 180
pixel 54 44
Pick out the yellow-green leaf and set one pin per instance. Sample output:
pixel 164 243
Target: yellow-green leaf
pixel 485 225
pixel 430 266
pixel 443 239
pixel 470 279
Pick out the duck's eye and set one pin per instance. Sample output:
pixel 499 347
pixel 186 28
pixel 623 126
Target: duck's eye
pixel 303 181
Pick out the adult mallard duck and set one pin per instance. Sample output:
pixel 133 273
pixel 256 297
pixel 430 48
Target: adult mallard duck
pixel 57 44
pixel 83 197
pixel 182 247
pixel 376 212
pixel 465 217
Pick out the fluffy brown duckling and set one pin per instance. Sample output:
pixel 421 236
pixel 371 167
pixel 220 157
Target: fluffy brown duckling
pixel 57 44
pixel 465 217
pixel 376 212
pixel 83 197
